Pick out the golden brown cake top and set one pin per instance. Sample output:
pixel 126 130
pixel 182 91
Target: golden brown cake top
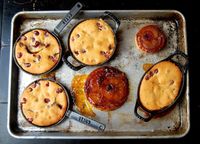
pixel 92 41
pixel 43 103
pixel 160 86
pixel 37 51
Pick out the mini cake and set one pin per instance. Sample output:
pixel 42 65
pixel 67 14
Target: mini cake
pixel 107 88
pixel 160 86
pixel 150 39
pixel 92 42
pixel 44 103
pixel 37 51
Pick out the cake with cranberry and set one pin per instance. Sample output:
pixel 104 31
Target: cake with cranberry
pixel 160 86
pixel 92 42
pixel 43 102
pixel 37 51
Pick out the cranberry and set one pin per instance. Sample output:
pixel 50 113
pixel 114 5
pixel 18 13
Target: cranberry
pixel 100 27
pixel 47 84
pixel 76 52
pixel 59 90
pixel 39 57
pixel 33 39
pixel 150 73
pixel 78 35
pixel 46 100
pixel 83 51
pixel 147 77
pixel 37 43
pixel 53 58
pixel 19 55
pixel 36 33
pixel 47 45
pixel 30 89
pixel 27 64
pixel 155 71
pixel 24 38
pixel 30 119
pixel 46 34
pixel 59 105
pixel 21 44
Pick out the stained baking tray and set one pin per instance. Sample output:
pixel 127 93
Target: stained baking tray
pixel 121 123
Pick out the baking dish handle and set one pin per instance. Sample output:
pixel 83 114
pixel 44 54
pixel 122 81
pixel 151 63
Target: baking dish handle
pixel 183 55
pixel 68 17
pixel 145 119
pixel 114 18
pixel 87 121
pixel 65 59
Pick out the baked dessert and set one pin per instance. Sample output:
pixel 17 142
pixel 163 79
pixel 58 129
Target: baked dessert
pixel 92 42
pixel 160 86
pixel 44 102
pixel 37 51
pixel 107 88
pixel 150 39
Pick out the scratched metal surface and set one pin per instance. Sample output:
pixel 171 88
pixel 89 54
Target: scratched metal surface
pixel 121 123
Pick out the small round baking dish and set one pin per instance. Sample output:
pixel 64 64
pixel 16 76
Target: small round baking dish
pixel 149 114
pixel 56 32
pixel 35 53
pixel 68 112
pixel 69 52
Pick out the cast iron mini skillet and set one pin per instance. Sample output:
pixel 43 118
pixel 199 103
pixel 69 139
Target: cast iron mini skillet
pixel 151 113
pixel 70 114
pixel 69 52
pixel 57 30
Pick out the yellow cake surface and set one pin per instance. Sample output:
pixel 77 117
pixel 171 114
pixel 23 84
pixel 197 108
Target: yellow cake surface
pixel 37 51
pixel 160 86
pixel 92 41
pixel 44 103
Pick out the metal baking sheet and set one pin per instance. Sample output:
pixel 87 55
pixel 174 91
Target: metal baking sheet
pixel 121 123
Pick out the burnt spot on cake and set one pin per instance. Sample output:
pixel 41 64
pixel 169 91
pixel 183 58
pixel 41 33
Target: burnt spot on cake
pixel 27 64
pixel 46 100
pixel 19 55
pixel 59 90
pixel 36 33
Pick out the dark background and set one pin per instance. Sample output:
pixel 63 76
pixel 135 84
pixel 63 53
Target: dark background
pixel 190 10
